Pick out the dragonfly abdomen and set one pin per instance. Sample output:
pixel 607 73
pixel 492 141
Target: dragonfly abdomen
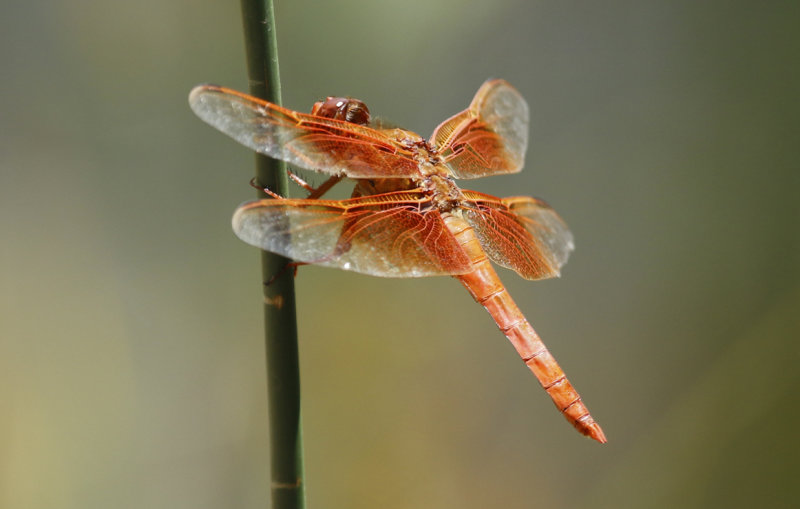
pixel 486 288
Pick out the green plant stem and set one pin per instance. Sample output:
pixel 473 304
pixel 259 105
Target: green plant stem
pixel 283 371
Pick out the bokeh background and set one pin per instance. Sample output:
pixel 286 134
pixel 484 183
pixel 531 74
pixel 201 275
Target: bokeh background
pixel 131 351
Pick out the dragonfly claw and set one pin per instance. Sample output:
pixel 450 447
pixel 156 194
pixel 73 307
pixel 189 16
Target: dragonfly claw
pixel 289 265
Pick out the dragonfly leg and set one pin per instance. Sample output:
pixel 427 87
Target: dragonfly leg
pixel 324 187
pixel 314 192
pixel 254 183
pixel 290 265
pixel 297 179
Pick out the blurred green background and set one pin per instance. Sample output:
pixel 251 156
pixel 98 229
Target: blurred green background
pixel 131 350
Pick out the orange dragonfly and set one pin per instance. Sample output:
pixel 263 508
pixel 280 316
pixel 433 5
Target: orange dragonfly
pixel 407 217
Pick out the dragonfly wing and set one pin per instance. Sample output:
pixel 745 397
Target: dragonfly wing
pixel 523 234
pixel 307 141
pixel 390 235
pixel 489 137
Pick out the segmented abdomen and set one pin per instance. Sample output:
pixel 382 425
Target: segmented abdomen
pixel 486 288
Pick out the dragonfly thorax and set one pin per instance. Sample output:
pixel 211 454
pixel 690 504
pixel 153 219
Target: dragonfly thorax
pixel 444 193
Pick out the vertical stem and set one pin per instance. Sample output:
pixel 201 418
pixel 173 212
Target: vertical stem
pixel 283 371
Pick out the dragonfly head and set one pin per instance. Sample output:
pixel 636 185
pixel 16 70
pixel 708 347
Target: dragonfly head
pixel 342 108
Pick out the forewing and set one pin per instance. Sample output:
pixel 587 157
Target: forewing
pixel 391 235
pixel 489 137
pixel 523 234
pixel 307 141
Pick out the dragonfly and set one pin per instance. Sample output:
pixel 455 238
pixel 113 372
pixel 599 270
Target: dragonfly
pixel 406 216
